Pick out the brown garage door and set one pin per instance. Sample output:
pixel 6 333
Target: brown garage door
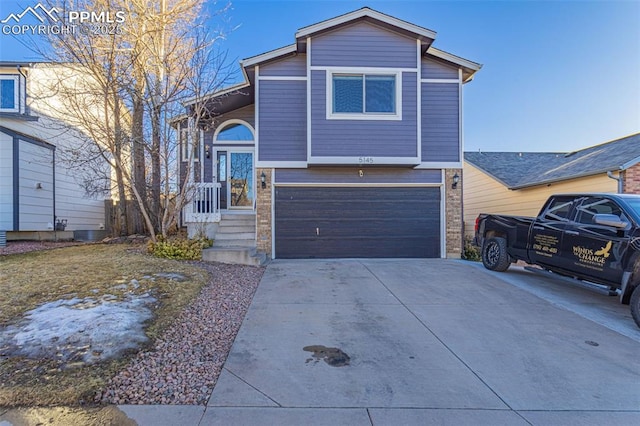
pixel 339 222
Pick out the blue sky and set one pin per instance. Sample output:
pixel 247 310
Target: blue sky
pixel 556 76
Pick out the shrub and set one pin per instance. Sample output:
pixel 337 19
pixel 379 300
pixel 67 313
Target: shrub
pixel 471 252
pixel 179 248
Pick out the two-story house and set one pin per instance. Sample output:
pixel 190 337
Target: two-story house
pixel 346 143
pixel 39 194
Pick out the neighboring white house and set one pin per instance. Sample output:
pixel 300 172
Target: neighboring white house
pixel 37 188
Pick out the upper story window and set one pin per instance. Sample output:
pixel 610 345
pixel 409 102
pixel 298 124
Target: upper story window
pixel 364 95
pixel 9 92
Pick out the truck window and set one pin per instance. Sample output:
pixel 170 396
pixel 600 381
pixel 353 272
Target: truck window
pixel 596 205
pixel 559 209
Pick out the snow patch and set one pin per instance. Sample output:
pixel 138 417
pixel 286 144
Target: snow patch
pixel 88 330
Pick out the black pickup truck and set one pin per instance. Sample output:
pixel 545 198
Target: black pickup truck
pixel 589 237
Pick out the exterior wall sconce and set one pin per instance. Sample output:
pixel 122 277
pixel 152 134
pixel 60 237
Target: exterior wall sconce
pixel 454 181
pixel 207 151
pixel 263 180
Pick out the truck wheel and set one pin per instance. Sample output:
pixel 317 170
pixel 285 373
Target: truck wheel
pixel 635 305
pixel 494 254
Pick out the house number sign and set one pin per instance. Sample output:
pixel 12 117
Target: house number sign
pixel 365 160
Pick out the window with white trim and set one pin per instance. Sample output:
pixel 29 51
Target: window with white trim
pixel 185 143
pixel 9 92
pixel 366 95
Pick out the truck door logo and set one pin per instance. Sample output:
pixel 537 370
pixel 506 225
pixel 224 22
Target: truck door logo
pixel 592 259
pixel 604 251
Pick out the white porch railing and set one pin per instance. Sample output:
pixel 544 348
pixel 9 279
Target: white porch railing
pixel 205 203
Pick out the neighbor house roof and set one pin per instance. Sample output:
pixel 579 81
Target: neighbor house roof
pixel 517 170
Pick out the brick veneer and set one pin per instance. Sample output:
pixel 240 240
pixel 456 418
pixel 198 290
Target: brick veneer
pixel 263 212
pixel 631 182
pixel 453 214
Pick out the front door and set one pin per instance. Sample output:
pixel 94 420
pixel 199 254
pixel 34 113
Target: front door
pixel 241 180
pixel 221 166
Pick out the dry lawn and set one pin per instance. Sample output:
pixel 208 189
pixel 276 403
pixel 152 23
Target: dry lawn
pixel 31 279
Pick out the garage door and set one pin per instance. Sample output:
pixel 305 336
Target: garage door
pixel 332 222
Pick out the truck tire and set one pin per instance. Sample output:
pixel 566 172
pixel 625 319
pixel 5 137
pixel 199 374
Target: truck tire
pixel 494 254
pixel 635 305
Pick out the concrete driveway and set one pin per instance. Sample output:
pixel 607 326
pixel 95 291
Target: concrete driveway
pixel 429 342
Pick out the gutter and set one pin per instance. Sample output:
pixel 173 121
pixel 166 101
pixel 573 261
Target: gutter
pixel 619 179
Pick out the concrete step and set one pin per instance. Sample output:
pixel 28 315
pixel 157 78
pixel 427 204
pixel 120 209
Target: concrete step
pixel 234 255
pixel 222 235
pixel 238 217
pixel 234 243
pixel 224 228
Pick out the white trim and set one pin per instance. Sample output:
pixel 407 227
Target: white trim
pixel 256 113
pixel 453 58
pixel 365 160
pixel 375 116
pixel 253 60
pixel 234 121
pixel 361 70
pixel 282 164
pixel 443 216
pixel 360 13
pixel 16 92
pixel 355 185
pixel 460 126
pixel 202 156
pixel 273 214
pixel 439 165
pixel 441 80
pixel 308 98
pixel 282 78
pixel 419 101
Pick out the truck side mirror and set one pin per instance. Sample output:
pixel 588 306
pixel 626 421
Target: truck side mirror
pixel 610 220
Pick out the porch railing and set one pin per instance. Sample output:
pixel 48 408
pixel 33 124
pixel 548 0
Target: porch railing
pixel 205 203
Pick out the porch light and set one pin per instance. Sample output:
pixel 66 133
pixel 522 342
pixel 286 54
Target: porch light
pixel 454 181
pixel 263 180
pixel 207 151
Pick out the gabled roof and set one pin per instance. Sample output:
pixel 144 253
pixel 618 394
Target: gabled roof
pixel 426 36
pixel 521 170
pixel 365 12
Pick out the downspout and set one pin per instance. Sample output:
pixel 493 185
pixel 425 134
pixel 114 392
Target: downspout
pixel 24 79
pixel 619 179
pixel 53 155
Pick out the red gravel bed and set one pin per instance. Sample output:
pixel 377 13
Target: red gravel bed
pixel 184 365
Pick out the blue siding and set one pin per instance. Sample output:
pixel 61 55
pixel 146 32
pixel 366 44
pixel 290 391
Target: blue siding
pixel 440 122
pixel 434 69
pixel 351 175
pixel 293 66
pixel 363 45
pixel 283 121
pixel 247 114
pixel 350 138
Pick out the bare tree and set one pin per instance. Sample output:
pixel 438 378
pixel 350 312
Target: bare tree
pixel 127 88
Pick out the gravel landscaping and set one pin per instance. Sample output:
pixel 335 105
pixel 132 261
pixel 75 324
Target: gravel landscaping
pixel 185 362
